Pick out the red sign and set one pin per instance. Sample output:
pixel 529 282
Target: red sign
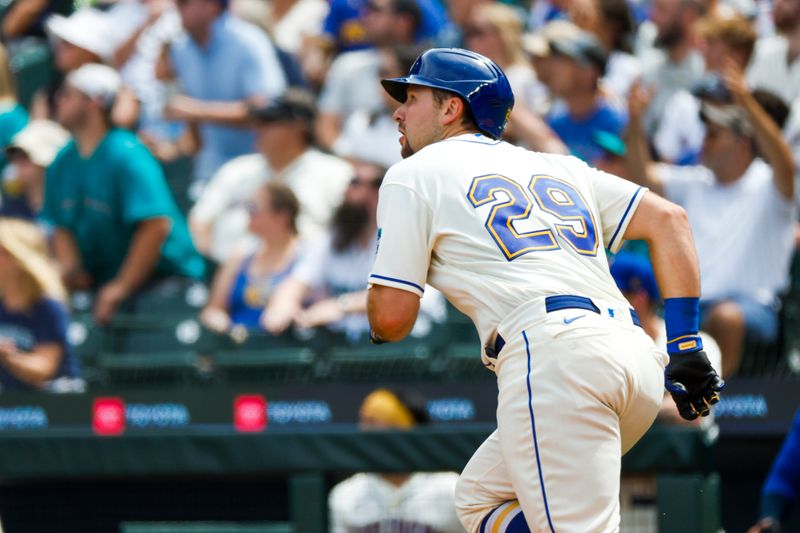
pixel 250 412
pixel 108 416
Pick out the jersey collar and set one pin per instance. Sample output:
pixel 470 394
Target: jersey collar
pixel 478 138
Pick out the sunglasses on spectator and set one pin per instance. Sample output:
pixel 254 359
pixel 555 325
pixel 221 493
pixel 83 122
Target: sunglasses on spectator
pixel 358 182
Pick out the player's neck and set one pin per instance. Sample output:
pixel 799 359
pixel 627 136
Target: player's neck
pixel 458 129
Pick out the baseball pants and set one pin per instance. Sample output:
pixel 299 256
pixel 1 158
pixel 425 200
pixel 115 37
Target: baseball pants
pixel 574 394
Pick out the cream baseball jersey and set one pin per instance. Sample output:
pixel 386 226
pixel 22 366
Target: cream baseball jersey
pixel 492 226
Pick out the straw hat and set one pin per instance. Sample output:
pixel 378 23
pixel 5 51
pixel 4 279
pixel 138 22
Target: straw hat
pixel 26 243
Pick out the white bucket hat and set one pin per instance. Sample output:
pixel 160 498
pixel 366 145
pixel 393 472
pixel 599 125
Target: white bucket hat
pixel 88 28
pixel 41 140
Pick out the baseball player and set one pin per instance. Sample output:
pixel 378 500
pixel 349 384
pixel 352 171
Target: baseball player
pixel 515 240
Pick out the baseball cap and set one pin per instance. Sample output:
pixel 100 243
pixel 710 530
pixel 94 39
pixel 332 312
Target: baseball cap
pixel 633 273
pixel 294 104
pixel 711 87
pixel 87 28
pixel 583 47
pixel 98 82
pixel 538 44
pixel 609 142
pixel 731 117
pixel 40 140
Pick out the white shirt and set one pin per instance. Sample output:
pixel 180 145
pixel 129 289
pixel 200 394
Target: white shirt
pixel 318 180
pixel 744 231
pixel 304 19
pixel 769 69
pixel 352 83
pixel 435 215
pixel 681 132
pixel 667 78
pixel 371 137
pixel 330 273
pixel 424 504
pixel 622 70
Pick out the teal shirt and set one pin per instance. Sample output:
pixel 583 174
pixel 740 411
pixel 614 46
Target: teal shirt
pixel 12 119
pixel 101 199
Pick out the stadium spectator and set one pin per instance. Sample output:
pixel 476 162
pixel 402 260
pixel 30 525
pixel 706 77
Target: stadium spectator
pixel 352 83
pixel 495 30
pixel 334 268
pixel 674 64
pixel 284 140
pixel 13 116
pixel 400 501
pixel 680 134
pixel 243 286
pixel 634 276
pixel 776 60
pixel 24 19
pixel 117 226
pixel 616 32
pixel 136 58
pixel 372 135
pixel 740 209
pixel 34 351
pixel 222 65
pixel 31 151
pixel 576 65
pixel 85 36
pixel 295 22
pixel 782 486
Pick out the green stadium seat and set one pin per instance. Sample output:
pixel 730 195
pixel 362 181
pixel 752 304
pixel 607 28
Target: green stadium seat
pixel 268 365
pixel 408 359
pixel 142 334
pixel 88 341
pixel 149 369
pixel 462 361
pixel 173 297
pixel 205 527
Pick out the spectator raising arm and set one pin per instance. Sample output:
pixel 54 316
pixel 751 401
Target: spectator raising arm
pixel 641 168
pixel 767 133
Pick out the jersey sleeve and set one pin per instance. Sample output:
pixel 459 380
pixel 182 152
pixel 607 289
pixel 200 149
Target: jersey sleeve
pixel 403 252
pixel 144 193
pixel 617 200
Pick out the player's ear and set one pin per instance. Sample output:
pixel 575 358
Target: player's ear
pixel 453 110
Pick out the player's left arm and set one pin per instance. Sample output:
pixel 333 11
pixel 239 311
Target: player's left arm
pixel 398 278
pixel 689 377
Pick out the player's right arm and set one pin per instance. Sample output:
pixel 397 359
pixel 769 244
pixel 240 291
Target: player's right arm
pixel 689 377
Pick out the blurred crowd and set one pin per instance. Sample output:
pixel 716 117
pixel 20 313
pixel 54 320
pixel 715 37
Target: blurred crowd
pixel 278 107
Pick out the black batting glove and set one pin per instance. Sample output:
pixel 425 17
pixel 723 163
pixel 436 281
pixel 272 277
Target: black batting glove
pixel 693 383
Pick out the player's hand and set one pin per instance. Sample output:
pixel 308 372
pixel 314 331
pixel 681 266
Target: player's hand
pixel 693 383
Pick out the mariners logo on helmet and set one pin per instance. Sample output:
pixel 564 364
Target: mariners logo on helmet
pixel 475 78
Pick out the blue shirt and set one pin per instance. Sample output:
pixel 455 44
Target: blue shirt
pixel 343 23
pixel 237 63
pixel 102 199
pixel 251 294
pixel 782 486
pixel 578 134
pixel 46 323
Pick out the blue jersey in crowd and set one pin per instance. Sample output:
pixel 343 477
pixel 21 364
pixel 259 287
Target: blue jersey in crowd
pixel 45 323
pixel 579 134
pixel 783 483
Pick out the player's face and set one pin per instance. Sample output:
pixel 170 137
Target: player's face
pixel 418 120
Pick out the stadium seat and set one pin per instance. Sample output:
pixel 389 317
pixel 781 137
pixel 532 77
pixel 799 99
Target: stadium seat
pixel 462 362
pixel 267 365
pixel 205 527
pixel 408 359
pixel 149 369
pixel 173 297
pixel 88 341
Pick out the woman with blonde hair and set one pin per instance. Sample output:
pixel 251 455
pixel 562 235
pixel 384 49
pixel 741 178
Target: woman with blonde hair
pixel 34 352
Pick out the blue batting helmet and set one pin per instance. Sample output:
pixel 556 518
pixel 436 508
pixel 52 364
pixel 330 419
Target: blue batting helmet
pixel 475 78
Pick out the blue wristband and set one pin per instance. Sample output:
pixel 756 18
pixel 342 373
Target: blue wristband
pixel 682 316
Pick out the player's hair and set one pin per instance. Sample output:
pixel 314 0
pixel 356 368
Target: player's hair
pixel 282 199
pixel 736 32
pixel 467 120
pixel 774 106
